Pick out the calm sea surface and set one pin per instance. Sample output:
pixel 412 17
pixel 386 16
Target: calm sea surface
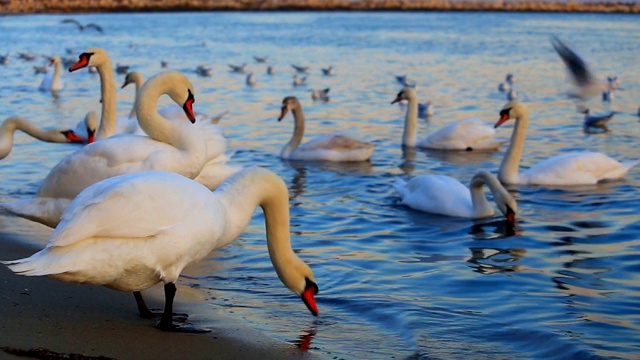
pixel 394 283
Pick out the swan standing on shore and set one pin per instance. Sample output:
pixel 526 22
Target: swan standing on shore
pixel 469 134
pixel 133 231
pixel 171 146
pixel 53 82
pixel 444 195
pixel 11 124
pixel 339 148
pixel 573 168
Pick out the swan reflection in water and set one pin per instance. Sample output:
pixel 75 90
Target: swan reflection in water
pixel 491 260
pixel 303 342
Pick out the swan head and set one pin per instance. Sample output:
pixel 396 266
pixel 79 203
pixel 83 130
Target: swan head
pixel 289 103
pixel 507 205
pixel 133 77
pixel 91 123
pixel 405 94
pixel 512 110
pixel 299 278
pixel 55 60
pixel 177 86
pixel 91 57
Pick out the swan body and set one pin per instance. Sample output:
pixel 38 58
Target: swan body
pixel 338 148
pixel 469 134
pixel 573 168
pixel 171 146
pixel 132 231
pixel 444 195
pixel 12 124
pixel 53 82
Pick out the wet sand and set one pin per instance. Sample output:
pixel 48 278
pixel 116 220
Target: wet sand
pixel 96 322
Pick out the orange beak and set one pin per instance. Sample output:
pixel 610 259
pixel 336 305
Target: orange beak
pixel 72 137
pixel 91 137
pixel 188 107
pixel 83 61
pixel 308 297
pixel 503 118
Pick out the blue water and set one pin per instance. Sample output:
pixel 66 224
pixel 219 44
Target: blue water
pixel 394 283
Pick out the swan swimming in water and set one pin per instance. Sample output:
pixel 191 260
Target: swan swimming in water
pixel 470 134
pixel 52 81
pixel 327 148
pixel 444 195
pixel 572 168
pixel 133 231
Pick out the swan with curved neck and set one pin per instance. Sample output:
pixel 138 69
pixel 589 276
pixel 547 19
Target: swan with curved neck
pixel 14 123
pixel 469 134
pixel 53 82
pixel 337 148
pixel 99 59
pixel 136 230
pixel 573 168
pixel 444 195
pixel 171 146
pixel 170 111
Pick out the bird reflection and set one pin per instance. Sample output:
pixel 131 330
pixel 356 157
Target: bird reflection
pixel 303 342
pixel 460 157
pixel 502 229
pixel 408 155
pixel 501 260
pixel 299 182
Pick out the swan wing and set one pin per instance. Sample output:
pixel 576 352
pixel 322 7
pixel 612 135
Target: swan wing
pixel 438 194
pixel 106 209
pixel 469 134
pixel 576 168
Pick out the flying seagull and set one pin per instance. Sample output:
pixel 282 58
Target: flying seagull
pixel 82 27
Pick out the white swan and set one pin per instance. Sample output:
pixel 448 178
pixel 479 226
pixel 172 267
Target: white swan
pixel 328 147
pixel 171 111
pixel 52 81
pixel 444 195
pixel 573 168
pixel 469 134
pixel 11 124
pixel 99 59
pixel 133 231
pixel 171 146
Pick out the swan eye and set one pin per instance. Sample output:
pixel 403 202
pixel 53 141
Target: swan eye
pixel 505 112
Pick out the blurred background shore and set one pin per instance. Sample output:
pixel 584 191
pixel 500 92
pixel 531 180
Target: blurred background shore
pixel 84 6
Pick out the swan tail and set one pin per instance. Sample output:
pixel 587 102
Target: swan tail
pixel 401 187
pixel 38 264
pixel 46 211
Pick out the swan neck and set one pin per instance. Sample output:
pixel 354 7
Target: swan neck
pixel 56 72
pixel 108 96
pixel 508 172
pixel 478 198
pixel 138 81
pixel 298 132
pixel 9 127
pixel 410 123
pixel 248 189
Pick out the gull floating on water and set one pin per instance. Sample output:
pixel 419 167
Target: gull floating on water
pixel 5 59
pixel 238 68
pixel 203 70
pixel 300 69
pixel 261 59
pixel 597 120
pixel 122 69
pixel 251 79
pixel 271 70
pixel 320 95
pixel 327 71
pixel 297 80
pixel 505 86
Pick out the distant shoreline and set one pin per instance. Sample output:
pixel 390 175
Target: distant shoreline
pixel 10 7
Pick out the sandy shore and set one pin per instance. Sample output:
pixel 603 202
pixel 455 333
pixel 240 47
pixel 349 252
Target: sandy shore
pixel 101 323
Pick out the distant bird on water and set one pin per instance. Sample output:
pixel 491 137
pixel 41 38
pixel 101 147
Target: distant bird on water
pixel 599 121
pixel 83 27
pixel 300 69
pixel 260 59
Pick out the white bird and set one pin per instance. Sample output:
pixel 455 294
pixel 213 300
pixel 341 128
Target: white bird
pixel 133 231
pixel 299 80
pixel 171 146
pixel 320 95
pixel 444 195
pixel 573 168
pixel 83 27
pixel 586 84
pixel 337 148
pixel 171 111
pixel 12 124
pixel 52 81
pixel 251 79
pixel 469 134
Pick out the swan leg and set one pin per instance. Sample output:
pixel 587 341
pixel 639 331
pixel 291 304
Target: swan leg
pixel 145 313
pixel 166 321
